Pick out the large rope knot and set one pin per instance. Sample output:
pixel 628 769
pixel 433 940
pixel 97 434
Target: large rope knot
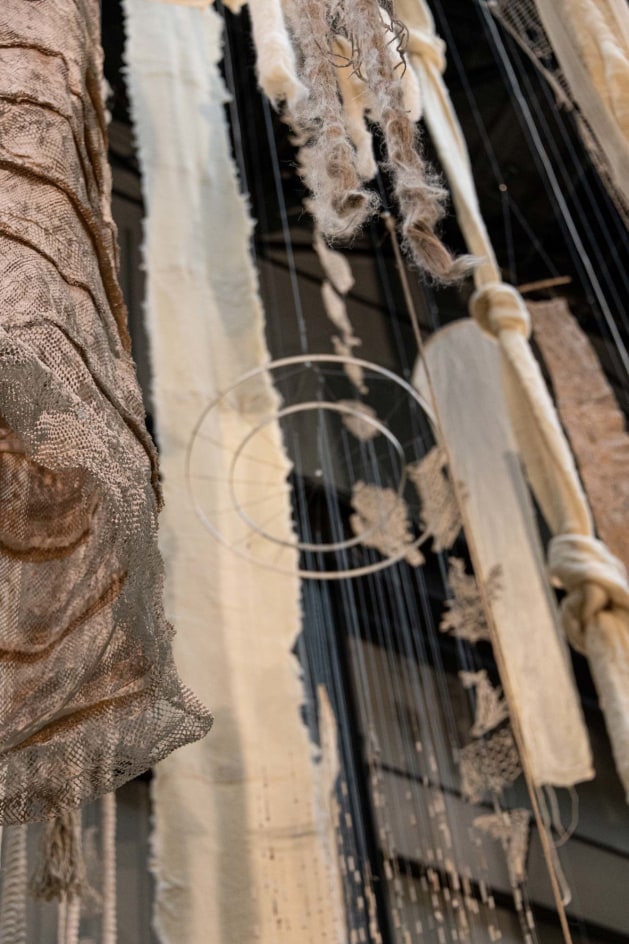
pixel 498 307
pixel 428 47
pixel 593 579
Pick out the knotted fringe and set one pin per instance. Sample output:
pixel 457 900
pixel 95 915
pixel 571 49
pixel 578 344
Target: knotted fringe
pixel 60 872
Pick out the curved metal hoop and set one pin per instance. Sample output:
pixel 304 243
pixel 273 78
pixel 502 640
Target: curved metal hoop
pixel 306 362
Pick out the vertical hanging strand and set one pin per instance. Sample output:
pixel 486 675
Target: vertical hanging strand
pixel 73 909
pixel 327 157
pixel 419 193
pixel 73 920
pixel 62 920
pixel 108 828
pixel 14 886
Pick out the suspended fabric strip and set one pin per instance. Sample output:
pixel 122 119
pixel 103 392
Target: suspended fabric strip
pixel 590 39
pixel 596 608
pixel 500 526
pixel 239 844
pixel 89 695
pixel 591 417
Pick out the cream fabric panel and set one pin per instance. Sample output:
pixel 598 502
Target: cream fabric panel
pixel 464 369
pixel 239 841
pixel 591 41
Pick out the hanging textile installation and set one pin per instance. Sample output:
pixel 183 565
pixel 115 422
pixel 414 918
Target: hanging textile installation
pixel 591 417
pixel 89 695
pixel 240 840
pixel 596 609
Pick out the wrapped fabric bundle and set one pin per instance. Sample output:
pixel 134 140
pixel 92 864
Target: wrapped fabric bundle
pixel 89 694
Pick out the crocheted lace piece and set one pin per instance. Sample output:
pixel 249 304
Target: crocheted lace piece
pixel 382 518
pixel 361 428
pixel 512 828
pixel 488 765
pixel 440 510
pixel 491 707
pixel 465 615
pixel 89 696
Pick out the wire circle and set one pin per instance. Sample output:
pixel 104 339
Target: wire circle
pixel 253 402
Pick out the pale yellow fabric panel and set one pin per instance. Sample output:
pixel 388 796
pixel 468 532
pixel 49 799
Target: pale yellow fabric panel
pixel 240 841
pixel 500 525
pixel 591 41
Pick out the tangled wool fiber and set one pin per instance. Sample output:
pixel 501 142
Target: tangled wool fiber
pixel 339 40
pixel 340 202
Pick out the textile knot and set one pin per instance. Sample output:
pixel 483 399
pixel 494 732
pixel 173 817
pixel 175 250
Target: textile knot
pixel 428 47
pixel 498 307
pixel 593 578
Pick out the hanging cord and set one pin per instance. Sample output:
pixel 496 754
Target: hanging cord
pixel 14 886
pixel 108 827
pixel 548 847
pixel 72 921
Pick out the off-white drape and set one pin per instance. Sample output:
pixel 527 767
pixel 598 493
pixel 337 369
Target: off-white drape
pixel 239 843
pixel 500 525
pixel 590 39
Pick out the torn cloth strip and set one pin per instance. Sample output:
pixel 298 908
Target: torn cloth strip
pixel 590 39
pixel 238 849
pixel 526 633
pixel 89 695
pixel 591 417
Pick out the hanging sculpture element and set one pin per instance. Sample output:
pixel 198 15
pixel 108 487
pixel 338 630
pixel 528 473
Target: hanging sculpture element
pixel 89 695
pixel 525 632
pixel 596 610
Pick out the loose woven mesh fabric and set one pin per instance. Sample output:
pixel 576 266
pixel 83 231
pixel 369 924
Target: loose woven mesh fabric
pixel 89 695
pixel 522 20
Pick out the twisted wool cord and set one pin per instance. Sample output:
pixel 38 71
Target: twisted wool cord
pixel 14 886
pixel 419 194
pixel 73 921
pixel 275 56
pixel 328 159
pixel 108 828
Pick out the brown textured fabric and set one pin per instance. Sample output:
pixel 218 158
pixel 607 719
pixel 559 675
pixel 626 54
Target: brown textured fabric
pixel 89 695
pixel 591 418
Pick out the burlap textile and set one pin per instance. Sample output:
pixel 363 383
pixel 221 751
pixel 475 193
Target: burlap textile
pixel 89 695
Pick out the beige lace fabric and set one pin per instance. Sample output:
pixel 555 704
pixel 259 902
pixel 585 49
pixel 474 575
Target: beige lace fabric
pixel 590 416
pixel 89 695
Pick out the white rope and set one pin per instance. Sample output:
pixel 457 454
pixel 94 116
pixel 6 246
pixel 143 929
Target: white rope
pixel 14 886
pixel 108 828
pixel 73 920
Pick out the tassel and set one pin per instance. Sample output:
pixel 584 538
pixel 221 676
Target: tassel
pixel 60 872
